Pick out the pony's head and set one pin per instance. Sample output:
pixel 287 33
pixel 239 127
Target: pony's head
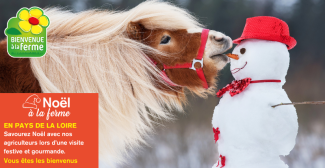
pixel 179 51
pixel 112 53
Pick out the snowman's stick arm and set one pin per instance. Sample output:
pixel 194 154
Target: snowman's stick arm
pixel 295 103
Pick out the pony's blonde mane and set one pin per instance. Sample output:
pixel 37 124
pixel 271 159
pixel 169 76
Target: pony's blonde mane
pixel 89 52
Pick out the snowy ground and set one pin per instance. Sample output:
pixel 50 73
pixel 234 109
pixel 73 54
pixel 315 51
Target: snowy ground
pixel 188 141
pixel 308 152
pixel 194 148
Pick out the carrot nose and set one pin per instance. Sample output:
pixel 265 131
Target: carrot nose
pixel 233 56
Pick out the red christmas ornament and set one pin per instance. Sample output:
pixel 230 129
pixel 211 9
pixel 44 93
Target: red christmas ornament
pixel 222 160
pixel 216 134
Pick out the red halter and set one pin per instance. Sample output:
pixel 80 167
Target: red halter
pixel 199 58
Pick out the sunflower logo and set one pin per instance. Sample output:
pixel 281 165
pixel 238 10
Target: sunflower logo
pixel 32 20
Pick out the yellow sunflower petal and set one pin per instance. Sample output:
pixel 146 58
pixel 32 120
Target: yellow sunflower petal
pixel 25 26
pixel 37 29
pixel 43 21
pixel 24 15
pixel 36 13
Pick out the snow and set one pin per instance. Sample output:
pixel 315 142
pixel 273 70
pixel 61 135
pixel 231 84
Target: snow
pixel 252 133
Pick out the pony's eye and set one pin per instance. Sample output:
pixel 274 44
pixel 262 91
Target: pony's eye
pixel 242 50
pixel 165 40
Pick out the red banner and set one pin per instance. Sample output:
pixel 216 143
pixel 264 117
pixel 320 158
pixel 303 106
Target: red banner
pixel 49 130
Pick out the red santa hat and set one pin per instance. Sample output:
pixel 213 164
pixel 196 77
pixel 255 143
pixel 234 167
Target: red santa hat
pixel 267 28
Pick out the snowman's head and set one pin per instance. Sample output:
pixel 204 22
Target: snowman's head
pixel 260 60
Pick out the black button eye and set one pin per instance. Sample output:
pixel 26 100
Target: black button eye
pixel 242 50
pixel 165 40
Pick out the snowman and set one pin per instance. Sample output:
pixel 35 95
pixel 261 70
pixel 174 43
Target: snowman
pixel 249 132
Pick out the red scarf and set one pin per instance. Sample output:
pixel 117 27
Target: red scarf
pixel 237 86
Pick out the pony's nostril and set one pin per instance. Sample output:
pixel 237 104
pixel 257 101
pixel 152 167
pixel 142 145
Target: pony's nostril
pixel 218 39
pixel 221 40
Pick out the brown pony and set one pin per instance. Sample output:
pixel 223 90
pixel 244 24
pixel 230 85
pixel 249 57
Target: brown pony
pixel 122 56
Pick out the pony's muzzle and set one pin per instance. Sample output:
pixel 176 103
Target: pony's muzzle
pixel 220 39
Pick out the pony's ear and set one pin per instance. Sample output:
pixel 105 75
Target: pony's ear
pixel 135 30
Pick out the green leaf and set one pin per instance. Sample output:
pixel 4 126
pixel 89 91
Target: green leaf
pixel 13 31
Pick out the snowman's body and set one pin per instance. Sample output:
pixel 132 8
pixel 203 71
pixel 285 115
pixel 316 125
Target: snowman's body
pixel 252 133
